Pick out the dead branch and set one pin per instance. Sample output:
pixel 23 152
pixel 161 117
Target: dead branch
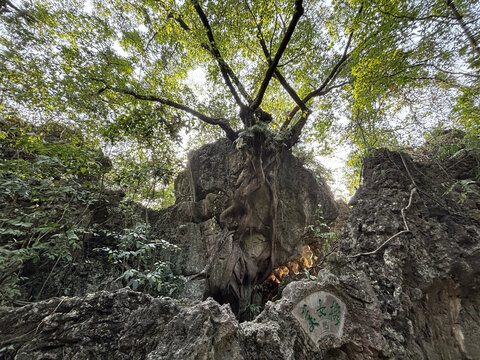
pixel 407 229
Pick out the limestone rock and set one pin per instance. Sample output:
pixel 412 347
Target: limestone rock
pixel 210 249
pixel 204 331
pixel 104 325
pixel 426 280
pixel 415 296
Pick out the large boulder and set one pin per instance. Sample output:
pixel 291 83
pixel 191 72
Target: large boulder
pixel 104 325
pixel 417 244
pixel 208 183
pixel 129 325
pixel 209 246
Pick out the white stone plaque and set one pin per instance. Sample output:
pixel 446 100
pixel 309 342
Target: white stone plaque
pixel 321 314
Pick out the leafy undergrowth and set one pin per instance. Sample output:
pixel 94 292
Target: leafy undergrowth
pixel 458 155
pixel 55 209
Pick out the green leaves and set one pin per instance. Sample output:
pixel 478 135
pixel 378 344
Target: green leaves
pixel 372 72
pixel 135 258
pixel 48 180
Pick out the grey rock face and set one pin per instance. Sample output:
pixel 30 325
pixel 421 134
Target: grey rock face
pixel 104 325
pixel 426 280
pixel 206 189
pixel 129 325
pixel 204 331
pixel 209 183
pixel 415 297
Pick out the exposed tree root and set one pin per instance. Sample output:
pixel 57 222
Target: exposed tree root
pixel 249 217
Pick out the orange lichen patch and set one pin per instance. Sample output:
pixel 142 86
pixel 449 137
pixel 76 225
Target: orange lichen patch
pixel 294 266
pixel 272 278
pixel 280 272
pixel 307 257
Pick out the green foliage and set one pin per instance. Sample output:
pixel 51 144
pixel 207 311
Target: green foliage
pixel 69 58
pixel 453 144
pixel 254 310
pixel 137 75
pixel 144 177
pixel 307 157
pixel 136 259
pixel 51 180
pixel 450 148
pixel 323 232
pixel 466 187
pixel 48 181
pixel 467 109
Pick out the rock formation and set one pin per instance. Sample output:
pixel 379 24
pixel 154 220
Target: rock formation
pixel 226 259
pixel 404 283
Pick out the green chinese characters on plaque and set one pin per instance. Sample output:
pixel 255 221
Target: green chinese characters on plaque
pixel 321 314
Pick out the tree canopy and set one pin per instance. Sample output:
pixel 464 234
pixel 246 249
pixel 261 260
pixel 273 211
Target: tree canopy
pixel 367 72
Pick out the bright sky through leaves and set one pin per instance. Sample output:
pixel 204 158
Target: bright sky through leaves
pixel 361 74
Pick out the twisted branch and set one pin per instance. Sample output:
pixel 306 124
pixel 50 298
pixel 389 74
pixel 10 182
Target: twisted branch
pixel 222 122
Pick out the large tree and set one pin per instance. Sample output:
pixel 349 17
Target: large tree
pixel 265 63
pixel 266 73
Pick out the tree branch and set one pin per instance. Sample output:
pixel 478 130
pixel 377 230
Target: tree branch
pixel 283 45
pixel 205 46
pixel 277 74
pixel 434 79
pixel 297 129
pixel 439 69
pixel 293 94
pixel 323 89
pixel 6 4
pixel 270 43
pixel 223 123
pixel 476 76
pixel 415 18
pixel 213 48
pixel 464 27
